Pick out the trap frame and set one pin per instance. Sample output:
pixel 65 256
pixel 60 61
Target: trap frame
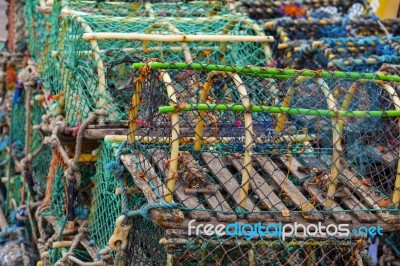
pixel 44 17
pixel 257 9
pixel 239 146
pixel 364 54
pixel 298 36
pixel 105 57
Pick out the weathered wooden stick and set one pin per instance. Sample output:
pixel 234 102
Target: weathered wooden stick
pixel 175 38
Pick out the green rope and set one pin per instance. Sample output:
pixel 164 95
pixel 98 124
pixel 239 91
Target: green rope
pixel 277 109
pixel 269 72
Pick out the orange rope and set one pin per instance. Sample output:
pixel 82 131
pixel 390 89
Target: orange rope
pixel 56 161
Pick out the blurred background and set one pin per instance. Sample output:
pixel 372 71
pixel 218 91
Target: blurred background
pixel 3 19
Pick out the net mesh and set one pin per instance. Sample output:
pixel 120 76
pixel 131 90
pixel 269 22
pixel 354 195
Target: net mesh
pixel 365 54
pixel 208 141
pixel 297 39
pixel 106 204
pixel 304 132
pixel 100 81
pixel 298 9
pixel 249 144
pixel 43 20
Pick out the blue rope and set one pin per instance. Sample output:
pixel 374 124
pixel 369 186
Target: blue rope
pixel 18 147
pixel 145 209
pixel 116 169
pixel 3 116
pixel 4 143
pixel 17 92
pixel 81 212
pixel 64 223
pixel 391 242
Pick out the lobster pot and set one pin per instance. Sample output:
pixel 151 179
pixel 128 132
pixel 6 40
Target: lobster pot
pixel 92 64
pixel 43 19
pixel 293 33
pixel 372 26
pixel 107 205
pixel 231 144
pixel 215 250
pixel 150 8
pixel 17 133
pixel 38 28
pixel 40 154
pixel 364 54
pixel 257 9
pixel 300 40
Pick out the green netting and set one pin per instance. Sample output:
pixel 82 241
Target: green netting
pixel 15 192
pixel 42 153
pixel 148 9
pixel 237 251
pixel 105 204
pixel 18 119
pixel 144 247
pixel 38 25
pixel 40 164
pixel 83 255
pixel 98 75
pixel 58 203
pixel 43 20
pixel 17 138
pixel 58 196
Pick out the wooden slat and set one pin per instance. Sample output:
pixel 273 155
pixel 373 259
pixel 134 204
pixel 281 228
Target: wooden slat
pixel 366 193
pixel 153 192
pixel 315 190
pixel 260 187
pixel 190 201
pixel 166 219
pixel 355 183
pixel 291 190
pixel 338 213
pixel 230 184
pixel 352 203
pixel 219 204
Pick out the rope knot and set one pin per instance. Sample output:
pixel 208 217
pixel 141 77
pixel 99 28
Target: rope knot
pixel 115 169
pixel 144 211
